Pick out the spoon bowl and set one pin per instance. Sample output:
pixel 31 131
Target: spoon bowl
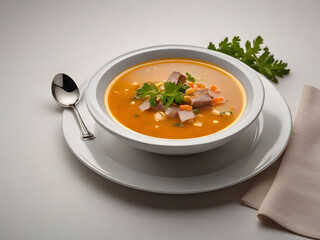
pixel 65 90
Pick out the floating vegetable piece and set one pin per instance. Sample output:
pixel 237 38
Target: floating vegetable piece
pixel 217 100
pixel 186 107
pixel 159 116
pixel 213 88
pixel 177 125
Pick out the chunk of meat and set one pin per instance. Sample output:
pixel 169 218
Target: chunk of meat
pixel 145 106
pixel 211 93
pixel 172 112
pixel 201 91
pixel 159 107
pixel 176 78
pixel 204 91
pixel 199 101
pixel 186 115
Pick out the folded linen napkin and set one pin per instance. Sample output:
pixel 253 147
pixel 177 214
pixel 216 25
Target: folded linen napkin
pixel 289 191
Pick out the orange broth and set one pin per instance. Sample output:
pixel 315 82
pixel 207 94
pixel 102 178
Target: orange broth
pixel 120 104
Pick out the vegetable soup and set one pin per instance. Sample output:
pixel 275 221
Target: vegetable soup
pixel 175 98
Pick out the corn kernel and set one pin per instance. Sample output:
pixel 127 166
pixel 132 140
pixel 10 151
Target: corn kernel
pixel 215 121
pixel 190 91
pixel 133 102
pixel 187 99
pixel 159 84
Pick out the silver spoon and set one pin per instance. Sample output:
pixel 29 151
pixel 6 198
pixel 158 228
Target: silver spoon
pixel 66 94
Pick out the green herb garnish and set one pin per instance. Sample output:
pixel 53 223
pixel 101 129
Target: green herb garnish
pixel 151 90
pixel 190 78
pixel 225 112
pixel 263 63
pixel 183 88
pixel 196 110
pixel 178 125
pixel 136 115
pixel 172 93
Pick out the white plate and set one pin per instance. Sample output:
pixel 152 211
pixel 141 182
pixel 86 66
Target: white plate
pixel 256 149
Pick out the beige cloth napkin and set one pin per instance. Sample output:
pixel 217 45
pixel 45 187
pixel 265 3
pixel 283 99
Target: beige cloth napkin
pixel 289 194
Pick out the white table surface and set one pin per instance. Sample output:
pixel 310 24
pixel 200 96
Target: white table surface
pixel 45 192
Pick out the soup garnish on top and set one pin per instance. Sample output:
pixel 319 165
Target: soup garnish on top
pixel 175 98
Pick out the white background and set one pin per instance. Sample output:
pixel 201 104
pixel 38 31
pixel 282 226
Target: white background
pixel 45 192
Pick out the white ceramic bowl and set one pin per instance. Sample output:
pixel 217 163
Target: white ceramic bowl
pixel 250 80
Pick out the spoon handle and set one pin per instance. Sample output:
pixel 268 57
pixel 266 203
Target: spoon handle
pixel 85 134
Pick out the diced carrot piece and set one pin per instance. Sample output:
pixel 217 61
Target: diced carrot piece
pixel 195 86
pixel 217 100
pixel 200 85
pixel 190 84
pixel 213 88
pixel 186 107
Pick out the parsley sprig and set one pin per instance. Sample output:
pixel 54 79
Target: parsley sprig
pixel 190 78
pixel 151 90
pixel 263 63
pixel 172 93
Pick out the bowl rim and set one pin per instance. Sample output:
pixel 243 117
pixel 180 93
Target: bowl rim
pixel 115 128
